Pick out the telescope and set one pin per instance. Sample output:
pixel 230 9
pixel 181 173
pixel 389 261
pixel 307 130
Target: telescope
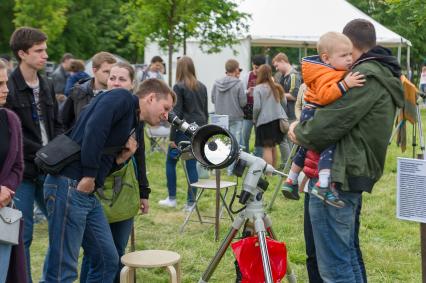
pixel 216 148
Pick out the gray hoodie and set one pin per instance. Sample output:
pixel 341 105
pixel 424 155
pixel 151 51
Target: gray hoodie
pixel 229 97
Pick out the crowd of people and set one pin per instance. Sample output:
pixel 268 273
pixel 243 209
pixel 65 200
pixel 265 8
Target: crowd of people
pixel 341 109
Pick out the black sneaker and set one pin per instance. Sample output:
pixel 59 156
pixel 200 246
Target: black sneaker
pixel 328 195
pixel 290 190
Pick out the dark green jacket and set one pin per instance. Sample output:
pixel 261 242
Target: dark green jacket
pixel 360 124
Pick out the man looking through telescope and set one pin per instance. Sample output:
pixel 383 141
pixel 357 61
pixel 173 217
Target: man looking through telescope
pixel 365 118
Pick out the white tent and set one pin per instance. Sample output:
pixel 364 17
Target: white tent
pixel 300 23
pixel 287 23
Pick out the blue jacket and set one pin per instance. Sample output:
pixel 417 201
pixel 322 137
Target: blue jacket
pixel 106 122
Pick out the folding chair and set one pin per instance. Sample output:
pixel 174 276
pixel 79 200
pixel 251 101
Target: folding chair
pixel 158 137
pixel 218 186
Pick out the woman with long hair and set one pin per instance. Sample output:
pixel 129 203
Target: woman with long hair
pixel 11 172
pixel 191 105
pixel 122 75
pixel 267 112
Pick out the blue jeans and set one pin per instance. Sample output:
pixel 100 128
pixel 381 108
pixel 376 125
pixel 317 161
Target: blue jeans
pixel 191 167
pixel 247 126
pixel 28 192
pixel 120 233
pixel 5 250
pixel 76 219
pixel 334 236
pixel 235 128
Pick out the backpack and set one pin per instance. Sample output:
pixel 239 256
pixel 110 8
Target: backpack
pixel 119 196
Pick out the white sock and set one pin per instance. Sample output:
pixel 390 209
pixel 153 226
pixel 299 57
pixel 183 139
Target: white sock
pixel 293 176
pixel 324 176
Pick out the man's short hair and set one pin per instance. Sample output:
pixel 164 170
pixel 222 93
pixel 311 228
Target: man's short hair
pixel 362 34
pixel 156 59
pixel 66 57
pixel 231 65
pixel 101 58
pixel 280 57
pixel 76 66
pixel 328 41
pixel 258 59
pixel 24 38
pixel 160 88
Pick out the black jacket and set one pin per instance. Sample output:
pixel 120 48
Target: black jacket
pixel 20 100
pixel 190 105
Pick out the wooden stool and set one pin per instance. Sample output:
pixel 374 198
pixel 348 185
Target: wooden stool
pixel 150 258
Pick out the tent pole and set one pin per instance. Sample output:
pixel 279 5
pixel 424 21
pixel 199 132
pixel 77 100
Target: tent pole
pixel 399 54
pixel 409 73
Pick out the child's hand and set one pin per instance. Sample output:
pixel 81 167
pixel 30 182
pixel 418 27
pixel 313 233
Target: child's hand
pixel 354 79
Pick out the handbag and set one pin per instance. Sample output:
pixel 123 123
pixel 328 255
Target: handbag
pixel 248 255
pixel 284 126
pixel 57 154
pixel 9 225
pixel 119 196
pixel 61 151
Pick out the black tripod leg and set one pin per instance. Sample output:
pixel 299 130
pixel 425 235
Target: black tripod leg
pixel 236 225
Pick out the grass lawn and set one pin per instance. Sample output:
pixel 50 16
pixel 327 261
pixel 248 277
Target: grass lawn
pixel 391 247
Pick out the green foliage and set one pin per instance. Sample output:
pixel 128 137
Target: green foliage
pixel 93 26
pixel 6 24
pixel 47 15
pixel 405 17
pixel 79 26
pixel 170 22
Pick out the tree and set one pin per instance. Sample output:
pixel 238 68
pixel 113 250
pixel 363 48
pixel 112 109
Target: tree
pixel 47 15
pixel 93 26
pixel 217 23
pixel 406 17
pixel 6 24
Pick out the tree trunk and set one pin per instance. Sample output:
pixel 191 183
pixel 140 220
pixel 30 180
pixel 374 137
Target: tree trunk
pixel 170 43
pixel 170 62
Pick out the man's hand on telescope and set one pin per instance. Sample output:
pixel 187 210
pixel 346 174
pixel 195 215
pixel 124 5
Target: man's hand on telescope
pixel 291 133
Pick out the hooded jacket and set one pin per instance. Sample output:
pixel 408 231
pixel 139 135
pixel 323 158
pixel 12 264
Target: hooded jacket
pixel 323 81
pixel 360 123
pixel 229 97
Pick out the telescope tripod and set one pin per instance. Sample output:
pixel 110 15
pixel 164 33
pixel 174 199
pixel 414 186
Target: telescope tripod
pixel 253 212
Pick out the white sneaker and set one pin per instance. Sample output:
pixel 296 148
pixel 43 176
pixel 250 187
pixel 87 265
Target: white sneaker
pixel 167 202
pixel 188 208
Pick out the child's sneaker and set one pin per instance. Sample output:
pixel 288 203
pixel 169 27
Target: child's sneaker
pixel 290 190
pixel 328 195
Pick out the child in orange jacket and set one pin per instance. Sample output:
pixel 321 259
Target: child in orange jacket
pixel 327 80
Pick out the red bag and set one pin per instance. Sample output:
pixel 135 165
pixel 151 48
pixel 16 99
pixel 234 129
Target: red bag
pixel 247 253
